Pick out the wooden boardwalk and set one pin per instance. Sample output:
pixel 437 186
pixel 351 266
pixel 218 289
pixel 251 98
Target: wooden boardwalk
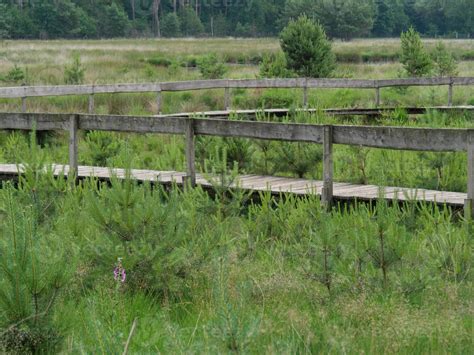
pixel 275 184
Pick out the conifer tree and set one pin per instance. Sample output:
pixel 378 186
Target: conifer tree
pixel 416 61
pixel 307 49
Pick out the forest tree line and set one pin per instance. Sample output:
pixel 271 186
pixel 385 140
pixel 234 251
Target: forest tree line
pixel 343 19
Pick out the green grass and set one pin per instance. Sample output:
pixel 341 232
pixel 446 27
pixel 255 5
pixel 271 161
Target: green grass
pixel 226 274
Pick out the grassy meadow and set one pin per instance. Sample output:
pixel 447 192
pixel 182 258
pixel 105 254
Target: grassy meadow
pixel 228 272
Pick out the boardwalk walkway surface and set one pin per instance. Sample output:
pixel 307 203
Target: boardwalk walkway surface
pixel 342 191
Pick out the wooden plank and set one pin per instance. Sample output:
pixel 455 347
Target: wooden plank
pixel 305 96
pixel 194 85
pixel 138 124
pixel 377 96
pixel 126 88
pixel 73 144
pixel 260 130
pixel 328 167
pixel 23 104
pixel 425 139
pixel 29 121
pixel 227 99
pixel 341 83
pixel 90 108
pixel 267 184
pixel 450 95
pixel 267 83
pixel 355 190
pixel 62 90
pixel 463 80
pixel 158 102
pixel 469 203
pixel 277 184
pixel 190 152
pixel 413 82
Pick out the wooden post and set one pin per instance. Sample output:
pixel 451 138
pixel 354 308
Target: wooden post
pixel 227 99
pixel 91 104
pixel 450 95
pixel 305 97
pixel 23 104
pixel 73 130
pixel 468 203
pixel 190 152
pixel 377 97
pixel 328 168
pixel 158 102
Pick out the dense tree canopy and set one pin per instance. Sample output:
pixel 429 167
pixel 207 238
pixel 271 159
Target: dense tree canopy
pixel 343 19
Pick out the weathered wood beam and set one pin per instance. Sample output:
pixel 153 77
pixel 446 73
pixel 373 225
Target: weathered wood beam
pixel 450 95
pixel 469 203
pixel 90 108
pixel 377 97
pixel 328 168
pixel 23 104
pixel 227 99
pixel 190 152
pixel 62 90
pixel 73 144
pixel 405 138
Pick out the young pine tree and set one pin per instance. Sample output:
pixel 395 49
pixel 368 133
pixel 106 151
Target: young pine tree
pixel 416 61
pixel 307 49
pixel 444 62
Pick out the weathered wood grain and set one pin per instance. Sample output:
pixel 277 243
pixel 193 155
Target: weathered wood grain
pixel 276 185
pixel 29 121
pixel 73 145
pixel 137 124
pixel 227 99
pixel 450 95
pixel 469 203
pixel 190 151
pixel 259 130
pixel 90 106
pixel 328 166
pixel 23 104
pixel 423 139
pixel 63 90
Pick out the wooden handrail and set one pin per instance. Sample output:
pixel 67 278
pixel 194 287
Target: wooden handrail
pixel 404 138
pixel 63 90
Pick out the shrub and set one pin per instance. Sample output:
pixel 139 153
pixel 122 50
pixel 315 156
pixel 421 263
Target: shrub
pixel 160 61
pixel 210 67
pixel 102 146
pixel 276 99
pixel 274 66
pixel 307 49
pixel 444 62
pixel 414 58
pixel 16 74
pixel 74 73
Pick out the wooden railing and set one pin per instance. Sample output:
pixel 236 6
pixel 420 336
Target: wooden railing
pixel 403 138
pixel 305 84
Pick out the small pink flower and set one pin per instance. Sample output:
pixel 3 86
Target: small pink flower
pixel 119 272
